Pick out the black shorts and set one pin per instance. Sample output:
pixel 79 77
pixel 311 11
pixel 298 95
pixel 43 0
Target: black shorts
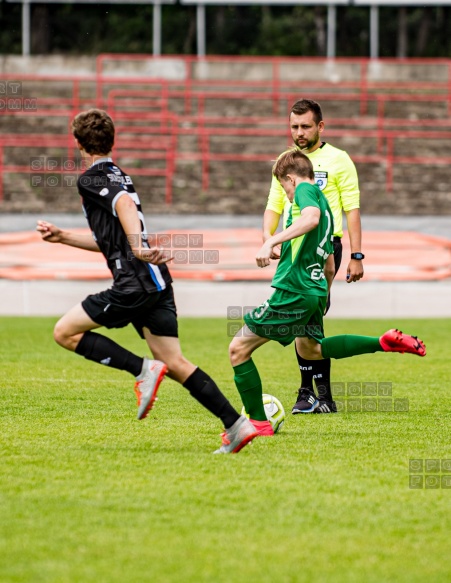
pixel 338 253
pixel 115 309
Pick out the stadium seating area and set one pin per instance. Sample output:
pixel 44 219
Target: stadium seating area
pixel 200 136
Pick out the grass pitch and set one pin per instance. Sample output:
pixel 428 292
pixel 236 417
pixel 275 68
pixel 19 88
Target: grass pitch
pixel 89 494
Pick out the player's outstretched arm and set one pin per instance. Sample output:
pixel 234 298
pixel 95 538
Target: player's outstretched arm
pixel 53 234
pixel 308 220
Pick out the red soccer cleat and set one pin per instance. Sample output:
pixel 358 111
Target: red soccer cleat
pixel 264 428
pixel 236 437
pixel 395 341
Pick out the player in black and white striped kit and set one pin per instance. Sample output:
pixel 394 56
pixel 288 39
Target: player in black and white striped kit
pixel 141 293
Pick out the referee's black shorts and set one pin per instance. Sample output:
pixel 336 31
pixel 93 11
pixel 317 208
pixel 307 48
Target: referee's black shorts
pixel 338 253
pixel 114 308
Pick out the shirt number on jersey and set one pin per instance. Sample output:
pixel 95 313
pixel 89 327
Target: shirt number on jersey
pixel 258 312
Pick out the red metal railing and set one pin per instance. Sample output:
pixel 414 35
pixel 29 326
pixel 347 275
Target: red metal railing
pixel 163 147
pixel 364 79
pixel 144 148
pixel 143 108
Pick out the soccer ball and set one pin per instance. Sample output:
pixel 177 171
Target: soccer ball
pixel 274 410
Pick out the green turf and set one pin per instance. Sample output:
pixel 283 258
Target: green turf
pixel 89 494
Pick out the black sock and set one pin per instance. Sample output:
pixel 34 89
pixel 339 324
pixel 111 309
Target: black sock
pixel 205 390
pixel 321 375
pixel 105 351
pixel 306 368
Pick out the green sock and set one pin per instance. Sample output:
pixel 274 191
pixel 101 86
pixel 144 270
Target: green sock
pixel 347 345
pixel 249 385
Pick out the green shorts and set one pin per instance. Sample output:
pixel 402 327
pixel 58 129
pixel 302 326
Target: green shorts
pixel 287 315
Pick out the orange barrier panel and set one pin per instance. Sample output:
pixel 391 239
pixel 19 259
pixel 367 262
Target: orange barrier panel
pixel 226 255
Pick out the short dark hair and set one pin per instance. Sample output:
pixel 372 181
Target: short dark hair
pixel 293 161
pixel 305 105
pixel 94 129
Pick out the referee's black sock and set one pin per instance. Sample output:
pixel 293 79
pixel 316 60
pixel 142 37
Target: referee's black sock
pixel 321 376
pixel 204 389
pixel 318 371
pixel 306 369
pixel 105 351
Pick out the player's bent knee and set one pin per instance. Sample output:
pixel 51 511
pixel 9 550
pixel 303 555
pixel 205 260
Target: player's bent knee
pixel 308 355
pixel 58 335
pixel 179 367
pixel 308 349
pixel 238 352
pixel 61 336
pixel 311 354
pixel 233 351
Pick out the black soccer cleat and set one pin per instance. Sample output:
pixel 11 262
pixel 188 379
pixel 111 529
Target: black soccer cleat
pixel 326 406
pixel 306 402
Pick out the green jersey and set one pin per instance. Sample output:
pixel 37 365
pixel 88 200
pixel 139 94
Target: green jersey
pixel 301 264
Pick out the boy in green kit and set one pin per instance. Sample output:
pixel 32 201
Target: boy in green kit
pixel 295 309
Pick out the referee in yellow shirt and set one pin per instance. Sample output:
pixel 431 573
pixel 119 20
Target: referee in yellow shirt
pixel 336 176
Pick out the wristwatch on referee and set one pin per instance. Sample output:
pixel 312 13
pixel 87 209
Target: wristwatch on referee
pixel 358 256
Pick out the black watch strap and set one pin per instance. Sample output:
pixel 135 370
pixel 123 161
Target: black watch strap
pixel 358 256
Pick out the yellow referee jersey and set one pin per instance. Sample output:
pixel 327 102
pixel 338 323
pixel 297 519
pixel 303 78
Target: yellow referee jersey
pixel 336 176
